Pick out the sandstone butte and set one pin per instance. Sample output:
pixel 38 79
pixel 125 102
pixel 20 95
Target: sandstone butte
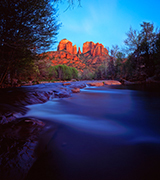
pixel 92 55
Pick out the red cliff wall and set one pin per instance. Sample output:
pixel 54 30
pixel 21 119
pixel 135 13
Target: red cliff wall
pixel 94 49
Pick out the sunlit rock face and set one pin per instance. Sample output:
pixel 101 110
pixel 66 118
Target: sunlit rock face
pixel 93 49
pixel 62 44
pixel 66 50
pixel 79 50
pixel 65 44
pixel 87 46
pixel 92 55
pixel 74 49
pixel 69 47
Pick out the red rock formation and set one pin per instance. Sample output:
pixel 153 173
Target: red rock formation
pixel 65 44
pixel 69 47
pixel 105 51
pixel 62 44
pixel 79 50
pixel 93 49
pixel 75 58
pixel 60 54
pixel 93 55
pixel 97 50
pixel 87 46
pixel 68 56
pixel 74 49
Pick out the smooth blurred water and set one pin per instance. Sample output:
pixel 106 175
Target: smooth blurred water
pixel 104 134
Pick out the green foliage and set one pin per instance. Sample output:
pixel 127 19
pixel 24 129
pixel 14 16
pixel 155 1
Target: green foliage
pixel 74 73
pixel 62 72
pixel 52 73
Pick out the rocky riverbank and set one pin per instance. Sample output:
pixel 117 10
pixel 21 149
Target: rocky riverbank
pixel 13 101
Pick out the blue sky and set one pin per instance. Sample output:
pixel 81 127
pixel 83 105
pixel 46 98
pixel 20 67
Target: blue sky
pixel 105 21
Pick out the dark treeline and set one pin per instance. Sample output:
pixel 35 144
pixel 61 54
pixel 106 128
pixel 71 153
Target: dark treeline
pixel 26 28
pixel 139 60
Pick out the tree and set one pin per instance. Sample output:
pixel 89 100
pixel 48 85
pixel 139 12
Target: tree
pixel 27 27
pixel 148 38
pixel 114 51
pixel 74 73
pixel 141 44
pixel 119 64
pixel 132 41
pixel 157 56
pixel 52 73
pixel 62 72
pixel 101 72
pixel 86 74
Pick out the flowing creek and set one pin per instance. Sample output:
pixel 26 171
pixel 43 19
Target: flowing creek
pixel 103 133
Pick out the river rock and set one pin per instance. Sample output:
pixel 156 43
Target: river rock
pixel 75 90
pixel 112 82
pixel 67 83
pixel 95 84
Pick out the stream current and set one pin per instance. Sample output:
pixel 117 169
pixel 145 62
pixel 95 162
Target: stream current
pixel 104 133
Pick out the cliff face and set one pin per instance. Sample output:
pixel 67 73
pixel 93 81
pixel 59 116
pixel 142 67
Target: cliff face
pixel 94 49
pixel 92 56
pixel 87 46
pixel 65 44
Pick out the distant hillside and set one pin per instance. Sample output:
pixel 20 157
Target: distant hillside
pixel 92 56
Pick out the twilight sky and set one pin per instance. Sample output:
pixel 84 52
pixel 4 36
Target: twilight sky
pixel 105 21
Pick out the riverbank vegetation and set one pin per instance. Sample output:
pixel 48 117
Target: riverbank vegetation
pixel 59 72
pixel 139 60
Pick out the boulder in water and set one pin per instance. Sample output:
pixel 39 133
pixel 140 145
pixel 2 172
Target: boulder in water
pixel 95 84
pixel 75 90
pixel 112 82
